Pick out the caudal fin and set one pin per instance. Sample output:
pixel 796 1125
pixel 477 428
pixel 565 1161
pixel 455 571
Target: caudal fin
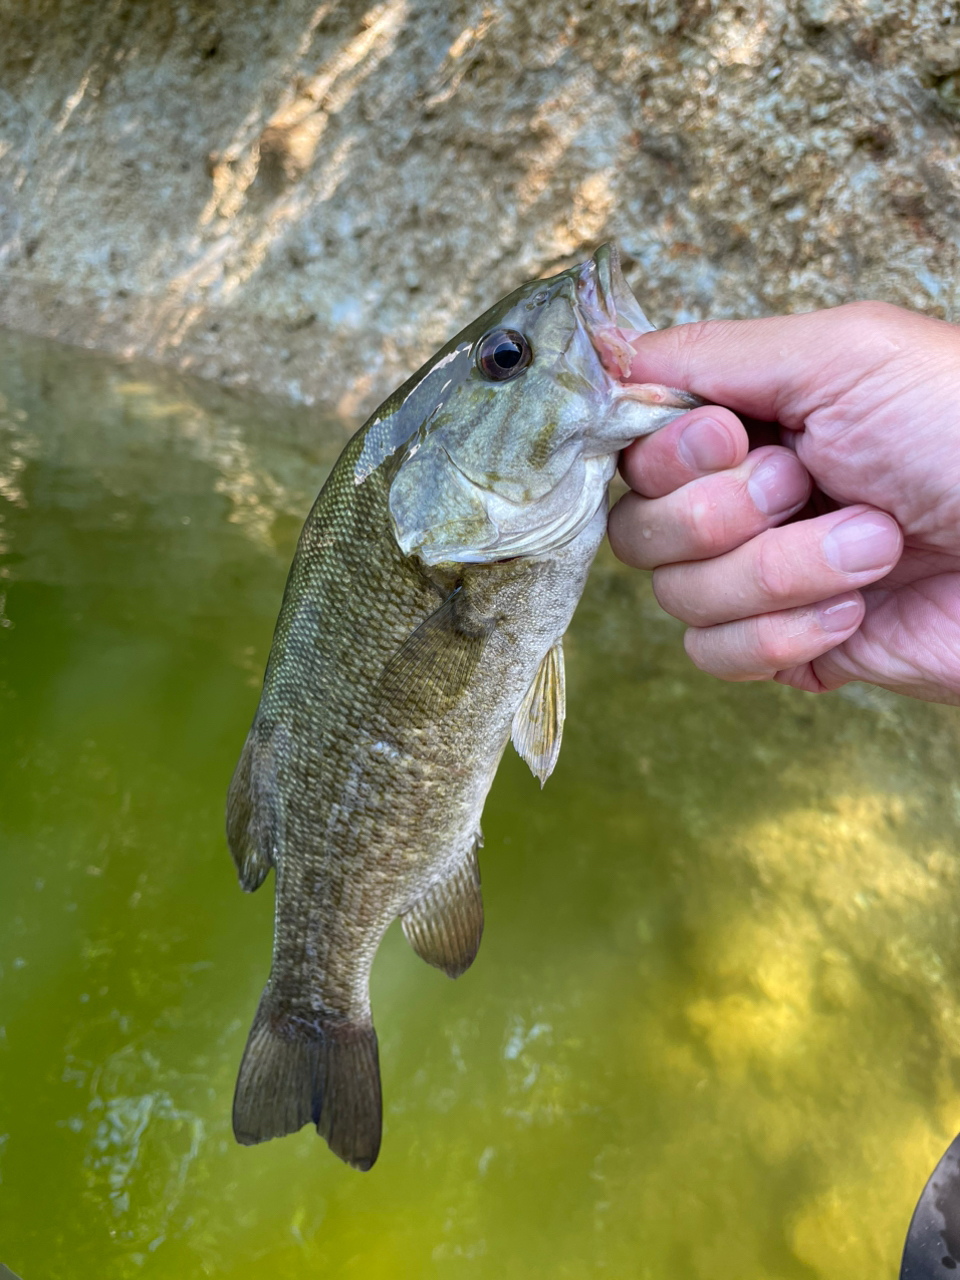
pixel 298 1070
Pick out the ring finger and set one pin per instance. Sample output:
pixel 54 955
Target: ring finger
pixel 784 568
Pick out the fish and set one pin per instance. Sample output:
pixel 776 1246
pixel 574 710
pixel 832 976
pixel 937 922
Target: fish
pixel 420 631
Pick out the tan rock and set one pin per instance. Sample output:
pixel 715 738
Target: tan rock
pixel 308 198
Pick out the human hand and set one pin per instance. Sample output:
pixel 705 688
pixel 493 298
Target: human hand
pixel 867 397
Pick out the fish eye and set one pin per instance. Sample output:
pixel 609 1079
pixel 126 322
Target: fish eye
pixel 503 354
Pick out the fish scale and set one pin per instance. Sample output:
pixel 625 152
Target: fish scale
pixel 406 653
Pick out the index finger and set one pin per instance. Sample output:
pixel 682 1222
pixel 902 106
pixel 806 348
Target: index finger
pixel 780 368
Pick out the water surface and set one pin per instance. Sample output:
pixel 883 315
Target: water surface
pixel 714 1026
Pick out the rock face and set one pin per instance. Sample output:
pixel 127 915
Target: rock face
pixel 310 197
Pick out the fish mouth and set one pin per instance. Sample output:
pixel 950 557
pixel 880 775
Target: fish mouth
pixel 613 317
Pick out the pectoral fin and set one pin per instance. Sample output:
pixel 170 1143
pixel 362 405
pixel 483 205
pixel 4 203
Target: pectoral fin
pixel 445 926
pixel 538 722
pixel 432 668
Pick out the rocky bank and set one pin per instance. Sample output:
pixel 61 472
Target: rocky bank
pixel 309 197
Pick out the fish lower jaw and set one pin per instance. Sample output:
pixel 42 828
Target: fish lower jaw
pixel 632 416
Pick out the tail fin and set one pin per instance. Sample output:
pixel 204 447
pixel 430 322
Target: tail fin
pixel 321 1069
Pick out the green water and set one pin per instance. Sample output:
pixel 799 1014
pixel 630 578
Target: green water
pixel 714 1026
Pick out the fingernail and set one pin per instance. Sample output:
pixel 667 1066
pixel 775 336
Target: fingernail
pixel 865 541
pixel 838 613
pixel 705 446
pixel 778 483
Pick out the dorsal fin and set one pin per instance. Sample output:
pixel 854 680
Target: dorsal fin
pixel 445 926
pixel 538 721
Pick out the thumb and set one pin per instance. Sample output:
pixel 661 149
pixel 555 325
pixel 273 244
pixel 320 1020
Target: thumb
pixel 777 369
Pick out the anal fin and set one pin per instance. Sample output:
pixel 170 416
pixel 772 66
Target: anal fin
pixel 538 721
pixel 445 926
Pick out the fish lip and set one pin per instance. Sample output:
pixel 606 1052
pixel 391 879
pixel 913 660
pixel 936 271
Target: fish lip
pixel 612 317
pixel 609 278
pixel 604 295
pixel 610 313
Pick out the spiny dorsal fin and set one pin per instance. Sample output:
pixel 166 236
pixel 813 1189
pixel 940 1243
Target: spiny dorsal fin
pixel 432 667
pixel 445 926
pixel 538 722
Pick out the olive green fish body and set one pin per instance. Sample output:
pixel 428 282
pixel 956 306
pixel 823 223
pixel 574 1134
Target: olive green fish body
pixel 420 628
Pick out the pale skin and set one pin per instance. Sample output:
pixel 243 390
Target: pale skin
pixel 867 400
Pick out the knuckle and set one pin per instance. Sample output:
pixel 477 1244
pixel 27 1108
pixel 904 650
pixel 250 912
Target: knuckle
pixel 774 647
pixel 771 573
pixel 668 588
pixel 625 530
pixel 688 337
pixel 660 581
pixel 877 322
pixel 635 463
pixel 871 311
pixel 712 536
pixel 710 511
pixel 697 651
pixel 688 343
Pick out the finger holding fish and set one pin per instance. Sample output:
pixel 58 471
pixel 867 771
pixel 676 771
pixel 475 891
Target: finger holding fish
pixel 706 440
pixel 783 568
pixel 778 645
pixel 712 514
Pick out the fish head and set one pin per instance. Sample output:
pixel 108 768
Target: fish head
pixel 503 445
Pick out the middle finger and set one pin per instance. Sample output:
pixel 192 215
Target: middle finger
pixel 711 515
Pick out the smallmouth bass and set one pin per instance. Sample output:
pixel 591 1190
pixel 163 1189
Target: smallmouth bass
pixel 421 629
